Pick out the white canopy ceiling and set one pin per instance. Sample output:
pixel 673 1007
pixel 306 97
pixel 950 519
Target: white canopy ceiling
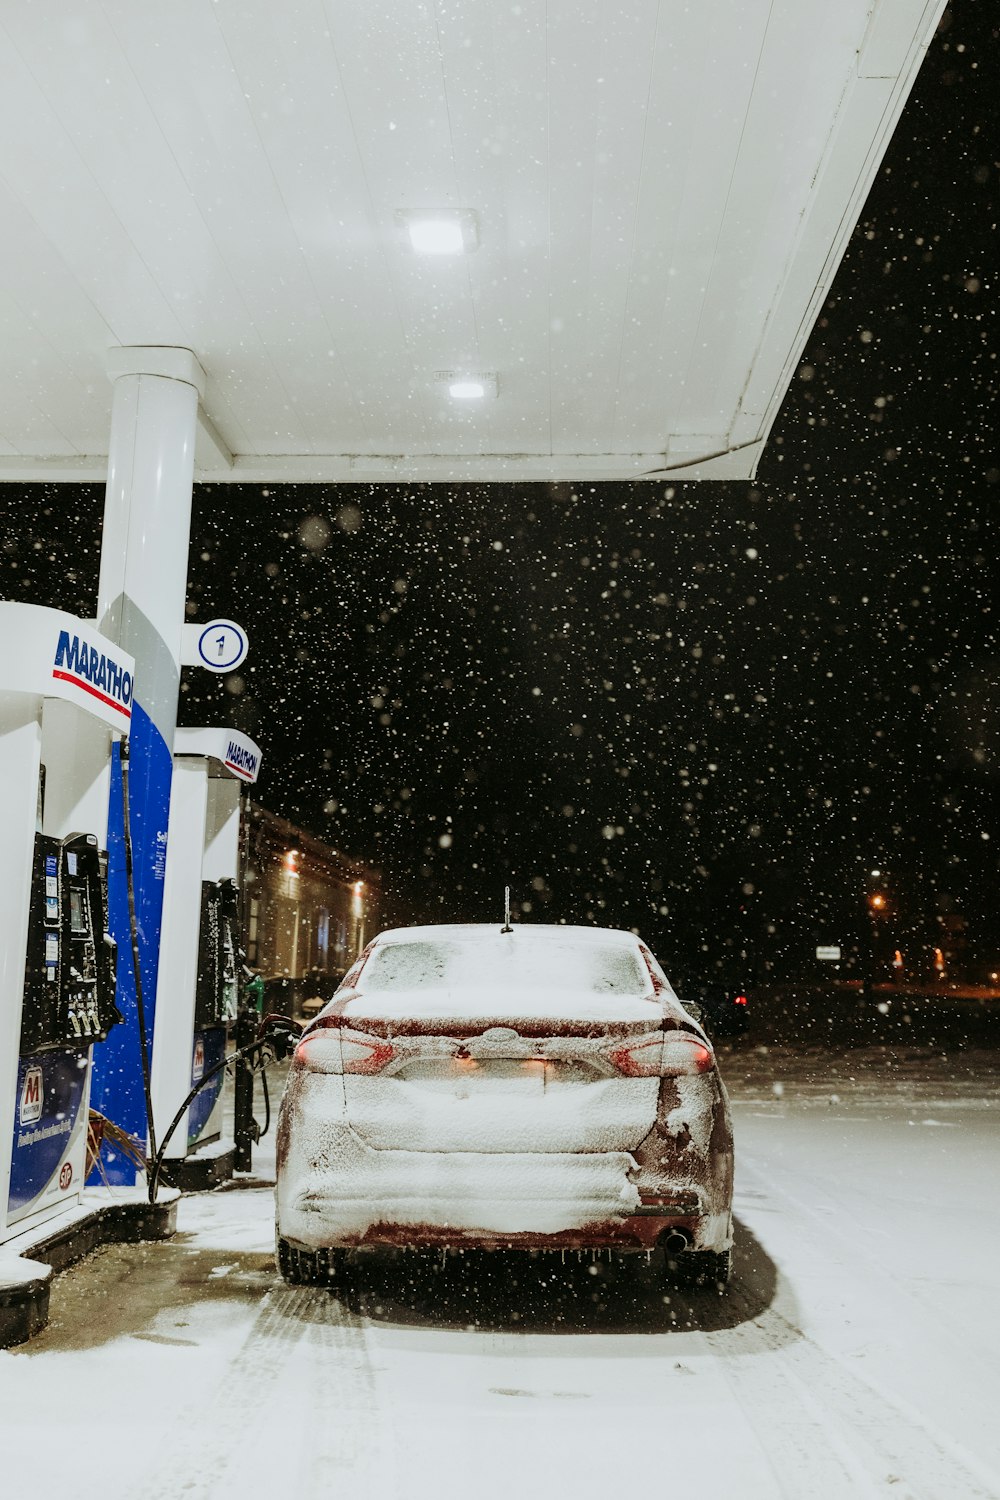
pixel 661 192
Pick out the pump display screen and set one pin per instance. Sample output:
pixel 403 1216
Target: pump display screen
pixel 79 925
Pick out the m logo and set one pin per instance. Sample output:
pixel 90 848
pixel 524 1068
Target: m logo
pixel 32 1096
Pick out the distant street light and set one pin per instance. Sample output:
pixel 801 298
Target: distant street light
pixel 877 906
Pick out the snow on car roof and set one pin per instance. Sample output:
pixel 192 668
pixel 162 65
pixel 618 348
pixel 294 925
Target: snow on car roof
pixel 481 958
pixel 535 932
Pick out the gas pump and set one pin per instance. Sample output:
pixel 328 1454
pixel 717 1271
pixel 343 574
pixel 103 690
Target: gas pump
pixel 201 946
pixel 65 695
pixel 219 953
pixel 71 961
pixel 219 948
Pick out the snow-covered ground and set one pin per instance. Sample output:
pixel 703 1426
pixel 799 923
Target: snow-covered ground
pixel 855 1355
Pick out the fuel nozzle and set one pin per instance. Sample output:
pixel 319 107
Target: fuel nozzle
pixel 280 1033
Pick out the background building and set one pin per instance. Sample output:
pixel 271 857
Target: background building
pixel 309 909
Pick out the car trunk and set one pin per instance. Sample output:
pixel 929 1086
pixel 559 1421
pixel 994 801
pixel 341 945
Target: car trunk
pixel 532 1075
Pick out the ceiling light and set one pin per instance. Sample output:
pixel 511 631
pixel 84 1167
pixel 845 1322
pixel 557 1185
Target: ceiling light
pixel 445 231
pixel 468 385
pixel 436 236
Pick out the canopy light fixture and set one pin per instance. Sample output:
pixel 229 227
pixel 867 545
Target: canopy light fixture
pixel 440 231
pixel 468 387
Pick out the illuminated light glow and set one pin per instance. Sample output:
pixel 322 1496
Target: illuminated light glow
pixel 436 236
pixel 678 1055
pixel 684 1055
pixel 440 231
pixel 639 1059
pixel 740 1000
pixel 364 1054
pixel 468 385
pixel 336 1051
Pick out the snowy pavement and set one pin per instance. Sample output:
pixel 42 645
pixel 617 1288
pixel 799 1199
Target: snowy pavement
pixel 855 1355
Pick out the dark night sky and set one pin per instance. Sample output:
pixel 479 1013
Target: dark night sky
pixel 700 710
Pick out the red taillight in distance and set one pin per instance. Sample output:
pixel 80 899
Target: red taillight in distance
pixel 336 1050
pixel 740 1000
pixel 667 1055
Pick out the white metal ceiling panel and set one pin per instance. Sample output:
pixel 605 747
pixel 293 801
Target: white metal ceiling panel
pixel 662 193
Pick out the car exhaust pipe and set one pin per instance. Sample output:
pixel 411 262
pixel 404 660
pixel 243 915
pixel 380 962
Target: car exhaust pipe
pixel 675 1240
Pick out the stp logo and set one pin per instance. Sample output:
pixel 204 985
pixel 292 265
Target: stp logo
pixel 32 1096
pixel 65 1175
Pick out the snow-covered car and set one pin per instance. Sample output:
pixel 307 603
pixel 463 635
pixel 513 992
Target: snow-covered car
pixel 533 1086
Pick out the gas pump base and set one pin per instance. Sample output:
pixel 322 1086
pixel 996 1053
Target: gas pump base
pixel 103 1217
pixel 203 1169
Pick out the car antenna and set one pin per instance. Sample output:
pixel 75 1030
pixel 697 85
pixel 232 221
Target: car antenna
pixel 506 910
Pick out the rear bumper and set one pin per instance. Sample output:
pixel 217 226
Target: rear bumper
pixel 633 1233
pixel 351 1195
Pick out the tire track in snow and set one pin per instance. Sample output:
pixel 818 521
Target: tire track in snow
pixel 213 1428
pixel 880 1437
pixel 825 1230
pixel 353 1451
pixel 806 1458
pixel 792 1389
pixel 285 1402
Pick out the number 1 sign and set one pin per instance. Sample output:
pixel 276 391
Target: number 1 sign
pixel 220 646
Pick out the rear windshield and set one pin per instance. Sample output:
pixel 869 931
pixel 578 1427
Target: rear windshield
pixel 502 961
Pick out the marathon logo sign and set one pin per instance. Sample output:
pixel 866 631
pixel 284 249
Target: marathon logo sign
pixel 32 1094
pixel 85 667
pixel 241 760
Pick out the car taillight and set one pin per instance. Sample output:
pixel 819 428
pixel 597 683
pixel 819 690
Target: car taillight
pixel 639 1059
pixel 684 1055
pixel 332 1050
pixel 670 1056
pixel 364 1054
pixel 319 1052
pixel 740 1000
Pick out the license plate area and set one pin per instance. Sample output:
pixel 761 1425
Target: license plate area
pixel 494 1074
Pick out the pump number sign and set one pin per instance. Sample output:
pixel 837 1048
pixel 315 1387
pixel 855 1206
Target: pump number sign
pixel 219 646
pixel 222 646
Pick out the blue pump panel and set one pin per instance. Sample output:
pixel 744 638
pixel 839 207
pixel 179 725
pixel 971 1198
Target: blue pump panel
pixel 205 1113
pixel 117 1089
pixel 47 1125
